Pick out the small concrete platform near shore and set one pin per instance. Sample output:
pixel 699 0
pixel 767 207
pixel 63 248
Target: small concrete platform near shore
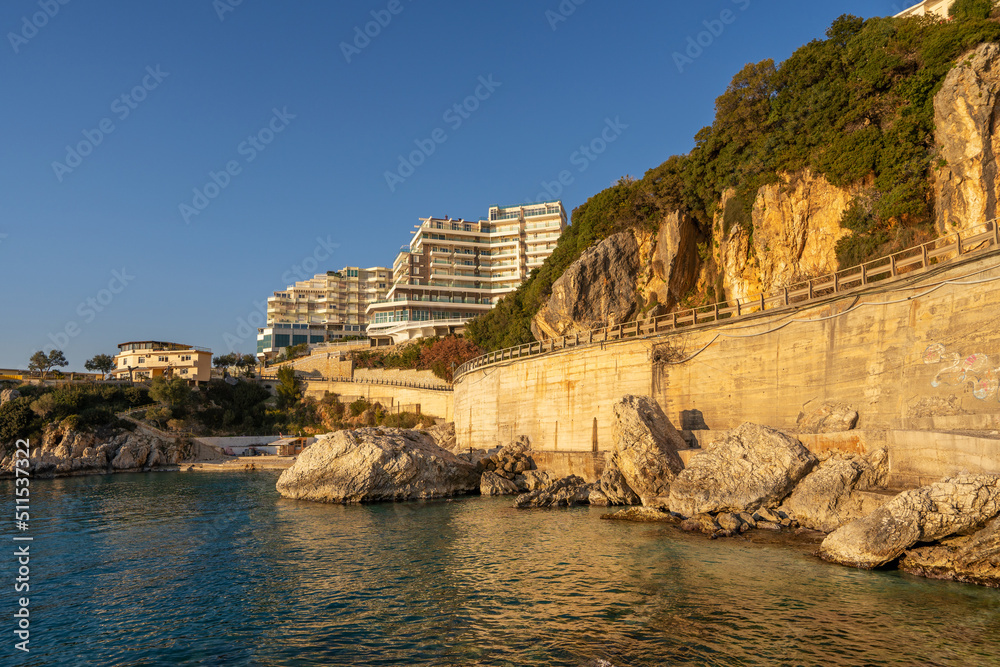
pixel 240 464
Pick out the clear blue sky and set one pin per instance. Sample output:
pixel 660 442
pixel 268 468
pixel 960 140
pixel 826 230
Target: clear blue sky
pixel 182 90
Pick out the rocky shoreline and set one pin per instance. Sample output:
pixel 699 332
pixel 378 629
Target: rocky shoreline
pixel 64 452
pixel 756 481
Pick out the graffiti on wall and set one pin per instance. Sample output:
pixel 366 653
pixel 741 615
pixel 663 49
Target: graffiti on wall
pixel 973 369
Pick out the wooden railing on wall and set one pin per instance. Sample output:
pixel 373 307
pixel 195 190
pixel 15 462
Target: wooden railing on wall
pixel 898 265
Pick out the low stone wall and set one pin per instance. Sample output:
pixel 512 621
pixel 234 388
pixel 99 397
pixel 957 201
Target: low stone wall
pixel 588 465
pixel 436 403
pixel 917 458
pixel 398 375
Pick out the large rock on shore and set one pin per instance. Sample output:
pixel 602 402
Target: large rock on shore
pixel 755 466
pixel 829 497
pixel 974 559
pixel 376 464
pixel 644 452
pixel 444 436
pixel 511 460
pixel 927 514
pixel 566 492
pixel 492 484
pixel 613 489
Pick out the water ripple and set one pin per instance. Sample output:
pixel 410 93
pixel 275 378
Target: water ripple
pixel 206 569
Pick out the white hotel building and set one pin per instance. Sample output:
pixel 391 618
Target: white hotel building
pixel 937 8
pixel 455 269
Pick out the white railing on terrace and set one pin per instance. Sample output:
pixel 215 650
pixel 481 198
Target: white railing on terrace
pixel 897 265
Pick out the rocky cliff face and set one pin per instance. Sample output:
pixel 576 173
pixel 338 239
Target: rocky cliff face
pixel 636 273
pixel 796 226
pixel 790 230
pixel 597 290
pixel 965 118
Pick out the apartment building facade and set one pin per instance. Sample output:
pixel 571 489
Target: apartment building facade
pixel 455 269
pixel 148 359
pixel 937 8
pixel 328 307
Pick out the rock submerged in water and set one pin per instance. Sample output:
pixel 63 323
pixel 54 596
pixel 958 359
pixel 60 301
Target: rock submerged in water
pixel 642 515
pixel 492 484
pixel 927 514
pixel 566 492
pixel 754 467
pixel 973 559
pixel 376 464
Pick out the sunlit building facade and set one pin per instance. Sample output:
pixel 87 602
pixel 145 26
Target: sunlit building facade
pixel 455 269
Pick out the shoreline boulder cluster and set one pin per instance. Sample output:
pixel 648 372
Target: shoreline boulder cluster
pixel 66 452
pixel 755 478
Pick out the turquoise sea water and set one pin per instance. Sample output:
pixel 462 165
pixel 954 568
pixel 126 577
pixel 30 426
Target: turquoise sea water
pixel 217 569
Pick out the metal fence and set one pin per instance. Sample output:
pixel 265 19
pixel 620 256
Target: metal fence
pixel 379 381
pixel 901 264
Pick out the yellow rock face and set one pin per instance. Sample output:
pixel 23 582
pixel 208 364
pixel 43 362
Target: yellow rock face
pixel 966 185
pixel 796 226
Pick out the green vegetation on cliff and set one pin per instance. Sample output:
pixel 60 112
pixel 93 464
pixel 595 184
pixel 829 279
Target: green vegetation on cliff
pixel 78 406
pixel 857 107
pixel 438 355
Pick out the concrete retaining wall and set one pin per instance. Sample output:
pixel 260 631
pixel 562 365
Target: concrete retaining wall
pixel 899 353
pixel 432 402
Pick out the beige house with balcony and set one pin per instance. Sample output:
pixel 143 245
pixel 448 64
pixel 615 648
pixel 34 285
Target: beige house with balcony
pixel 455 269
pixel 328 307
pixel 139 360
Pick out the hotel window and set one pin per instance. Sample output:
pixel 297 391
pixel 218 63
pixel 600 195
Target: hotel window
pixel 161 358
pixel 142 360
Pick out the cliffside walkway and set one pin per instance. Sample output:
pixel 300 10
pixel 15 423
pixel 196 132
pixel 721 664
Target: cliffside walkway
pixel 273 377
pixel 905 264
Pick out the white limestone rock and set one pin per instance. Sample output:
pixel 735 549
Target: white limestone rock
pixel 492 484
pixel 926 514
pixel 376 464
pixel 644 459
pixel 754 467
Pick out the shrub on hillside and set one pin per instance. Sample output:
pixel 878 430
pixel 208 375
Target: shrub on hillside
pixel 856 105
